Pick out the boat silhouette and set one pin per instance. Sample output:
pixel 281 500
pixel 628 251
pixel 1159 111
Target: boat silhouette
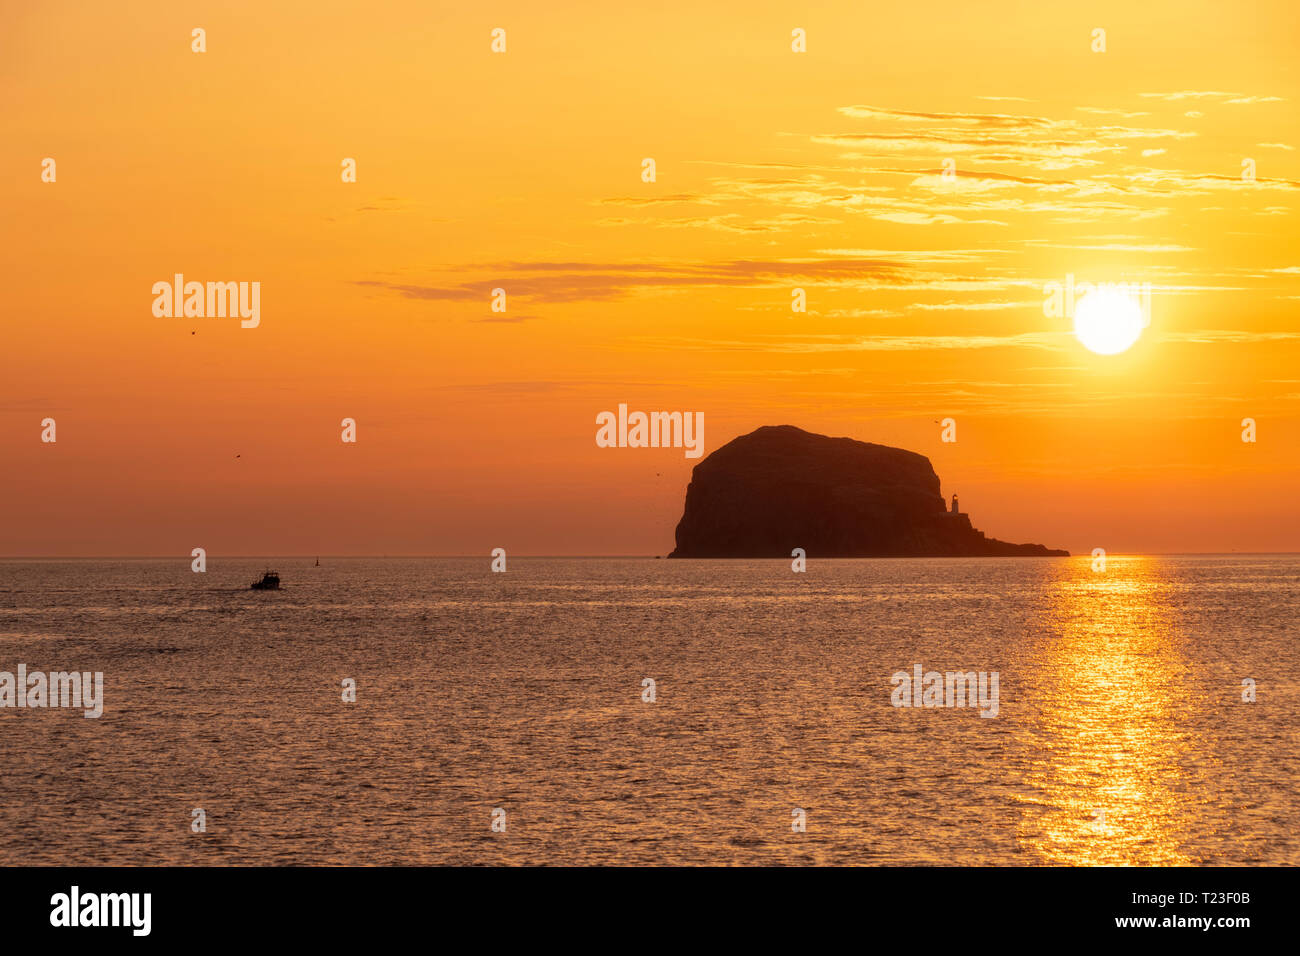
pixel 270 582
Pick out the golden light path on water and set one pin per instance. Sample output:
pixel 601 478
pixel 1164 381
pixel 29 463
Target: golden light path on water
pixel 1110 786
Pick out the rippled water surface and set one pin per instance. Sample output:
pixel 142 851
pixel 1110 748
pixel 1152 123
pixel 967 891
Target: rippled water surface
pixel 1121 735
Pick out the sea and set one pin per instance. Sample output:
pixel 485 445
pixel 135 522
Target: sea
pixel 625 711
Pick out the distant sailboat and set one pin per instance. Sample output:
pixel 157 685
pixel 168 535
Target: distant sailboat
pixel 318 561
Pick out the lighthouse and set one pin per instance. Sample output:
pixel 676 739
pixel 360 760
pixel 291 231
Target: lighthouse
pixel 954 505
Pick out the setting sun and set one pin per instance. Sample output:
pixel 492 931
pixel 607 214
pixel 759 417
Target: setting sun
pixel 1107 321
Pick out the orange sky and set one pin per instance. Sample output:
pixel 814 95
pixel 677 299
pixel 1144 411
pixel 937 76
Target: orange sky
pixel 522 170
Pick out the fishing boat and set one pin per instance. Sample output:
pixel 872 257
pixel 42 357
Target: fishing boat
pixel 270 582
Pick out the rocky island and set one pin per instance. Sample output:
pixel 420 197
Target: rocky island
pixel 778 488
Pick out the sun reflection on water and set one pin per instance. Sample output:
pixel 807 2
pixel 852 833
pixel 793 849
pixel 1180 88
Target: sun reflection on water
pixel 1110 685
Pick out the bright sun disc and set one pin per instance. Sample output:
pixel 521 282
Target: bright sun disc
pixel 1107 321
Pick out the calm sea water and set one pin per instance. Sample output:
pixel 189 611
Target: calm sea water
pixel 1121 737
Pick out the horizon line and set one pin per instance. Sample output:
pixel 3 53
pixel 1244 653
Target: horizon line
pixel 488 555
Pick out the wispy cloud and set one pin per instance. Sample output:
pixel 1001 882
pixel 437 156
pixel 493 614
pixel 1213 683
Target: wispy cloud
pixel 673 199
pixel 596 281
pixel 873 343
pixel 1233 98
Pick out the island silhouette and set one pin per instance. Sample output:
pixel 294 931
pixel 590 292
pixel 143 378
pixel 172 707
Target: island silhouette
pixel 779 488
